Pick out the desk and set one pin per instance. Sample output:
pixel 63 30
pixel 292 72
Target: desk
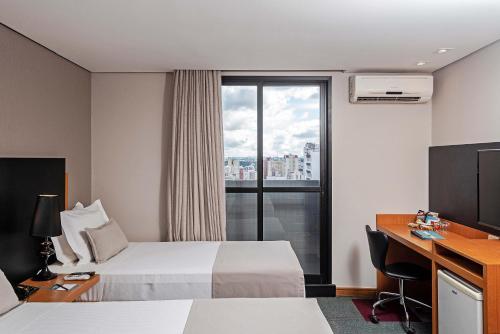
pixel 464 251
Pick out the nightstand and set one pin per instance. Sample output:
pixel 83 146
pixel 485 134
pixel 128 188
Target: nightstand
pixel 46 294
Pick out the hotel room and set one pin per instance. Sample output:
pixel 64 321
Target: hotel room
pixel 189 167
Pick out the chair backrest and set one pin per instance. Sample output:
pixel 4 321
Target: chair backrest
pixel 379 243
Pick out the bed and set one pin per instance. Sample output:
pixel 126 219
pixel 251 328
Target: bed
pixel 209 316
pixel 196 270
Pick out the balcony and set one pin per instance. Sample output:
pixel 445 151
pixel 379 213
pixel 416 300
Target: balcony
pixel 273 183
pixel 292 216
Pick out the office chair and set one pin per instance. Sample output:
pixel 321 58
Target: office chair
pixel 402 271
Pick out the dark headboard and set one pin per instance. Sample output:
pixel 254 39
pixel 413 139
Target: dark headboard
pixel 21 180
pixel 453 183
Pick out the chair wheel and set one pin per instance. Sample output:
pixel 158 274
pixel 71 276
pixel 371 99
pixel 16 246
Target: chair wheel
pixel 374 319
pixel 410 330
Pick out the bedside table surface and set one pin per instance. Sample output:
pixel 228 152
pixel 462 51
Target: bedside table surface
pixel 46 294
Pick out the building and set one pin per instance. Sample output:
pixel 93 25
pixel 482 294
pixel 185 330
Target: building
pixel 232 169
pixel 312 161
pixel 291 165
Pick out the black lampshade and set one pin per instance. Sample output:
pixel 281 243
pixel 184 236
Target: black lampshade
pixel 46 219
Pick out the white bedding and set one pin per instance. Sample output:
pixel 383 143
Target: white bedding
pixel 151 317
pixel 153 271
pixel 204 316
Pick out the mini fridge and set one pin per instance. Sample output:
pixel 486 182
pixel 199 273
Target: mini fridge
pixel 460 305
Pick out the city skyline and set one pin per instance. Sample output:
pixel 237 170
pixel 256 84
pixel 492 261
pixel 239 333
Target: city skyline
pixel 287 167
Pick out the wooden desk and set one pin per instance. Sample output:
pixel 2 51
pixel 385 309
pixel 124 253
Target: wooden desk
pixel 464 251
pixel 402 234
pixel 45 294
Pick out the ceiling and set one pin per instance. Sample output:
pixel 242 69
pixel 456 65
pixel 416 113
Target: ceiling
pixel 162 35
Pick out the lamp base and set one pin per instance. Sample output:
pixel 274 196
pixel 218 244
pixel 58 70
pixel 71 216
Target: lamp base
pixel 44 274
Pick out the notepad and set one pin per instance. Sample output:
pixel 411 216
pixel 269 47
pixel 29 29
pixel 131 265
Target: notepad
pixel 64 287
pixel 427 235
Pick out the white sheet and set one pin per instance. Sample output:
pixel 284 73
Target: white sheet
pixel 151 317
pixel 153 271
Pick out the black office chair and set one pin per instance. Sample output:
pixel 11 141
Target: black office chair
pixel 402 271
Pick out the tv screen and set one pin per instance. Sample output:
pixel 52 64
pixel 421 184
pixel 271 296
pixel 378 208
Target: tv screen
pixel 489 188
pixel 453 183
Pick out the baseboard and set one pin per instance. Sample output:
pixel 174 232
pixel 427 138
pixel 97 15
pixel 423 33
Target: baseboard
pixel 356 292
pixel 320 290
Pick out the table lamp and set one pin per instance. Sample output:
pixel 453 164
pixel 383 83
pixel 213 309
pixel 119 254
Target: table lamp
pixel 46 223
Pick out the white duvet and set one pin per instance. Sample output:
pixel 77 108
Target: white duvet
pixel 153 271
pixel 147 317
pixel 204 316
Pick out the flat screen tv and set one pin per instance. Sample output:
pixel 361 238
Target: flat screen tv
pixel 454 184
pixel 488 192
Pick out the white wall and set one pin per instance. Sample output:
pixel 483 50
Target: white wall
pixel 380 155
pixel 127 128
pixel 466 107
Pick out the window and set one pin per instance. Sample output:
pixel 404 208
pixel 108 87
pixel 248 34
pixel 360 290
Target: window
pixel 276 170
pixel 239 105
pixel 291 136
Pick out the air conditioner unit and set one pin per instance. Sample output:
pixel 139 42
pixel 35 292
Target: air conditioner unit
pixel 390 88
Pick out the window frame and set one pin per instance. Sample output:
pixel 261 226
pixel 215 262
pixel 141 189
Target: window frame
pixel 324 82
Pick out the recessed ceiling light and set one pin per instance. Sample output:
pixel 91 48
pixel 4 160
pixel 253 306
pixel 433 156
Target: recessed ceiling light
pixel 421 63
pixel 443 50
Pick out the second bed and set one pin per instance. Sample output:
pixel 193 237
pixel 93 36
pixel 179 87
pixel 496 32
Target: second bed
pixel 194 270
pixel 216 316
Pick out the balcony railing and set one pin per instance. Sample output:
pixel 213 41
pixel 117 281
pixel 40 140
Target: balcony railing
pixel 272 183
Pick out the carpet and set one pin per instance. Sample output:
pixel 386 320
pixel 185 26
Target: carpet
pixel 344 318
pixel 392 312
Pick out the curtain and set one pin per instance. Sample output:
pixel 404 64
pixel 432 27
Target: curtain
pixel 195 174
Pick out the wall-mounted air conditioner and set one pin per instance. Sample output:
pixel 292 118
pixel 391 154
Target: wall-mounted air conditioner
pixel 390 88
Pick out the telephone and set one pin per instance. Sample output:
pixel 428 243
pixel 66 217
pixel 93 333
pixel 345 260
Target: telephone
pixel 24 291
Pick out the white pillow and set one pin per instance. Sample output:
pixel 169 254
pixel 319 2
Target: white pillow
pixel 74 223
pixel 97 205
pixel 64 253
pixel 8 298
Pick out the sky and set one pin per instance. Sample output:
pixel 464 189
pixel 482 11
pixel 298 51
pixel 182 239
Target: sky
pixel 290 116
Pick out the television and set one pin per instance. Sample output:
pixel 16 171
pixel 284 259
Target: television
pixel 454 184
pixel 488 188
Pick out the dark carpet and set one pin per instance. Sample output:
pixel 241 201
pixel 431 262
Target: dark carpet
pixel 344 318
pixel 392 311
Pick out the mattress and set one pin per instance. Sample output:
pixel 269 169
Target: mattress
pixel 214 316
pixel 195 270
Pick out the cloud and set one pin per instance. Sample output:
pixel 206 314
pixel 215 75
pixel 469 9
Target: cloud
pixel 314 96
pixel 290 119
pixel 233 142
pixel 239 97
pixel 310 133
pixel 278 142
pixel 240 119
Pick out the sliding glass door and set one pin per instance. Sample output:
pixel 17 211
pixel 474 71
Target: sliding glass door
pixel 276 165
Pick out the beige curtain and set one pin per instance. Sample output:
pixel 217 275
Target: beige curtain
pixel 195 174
